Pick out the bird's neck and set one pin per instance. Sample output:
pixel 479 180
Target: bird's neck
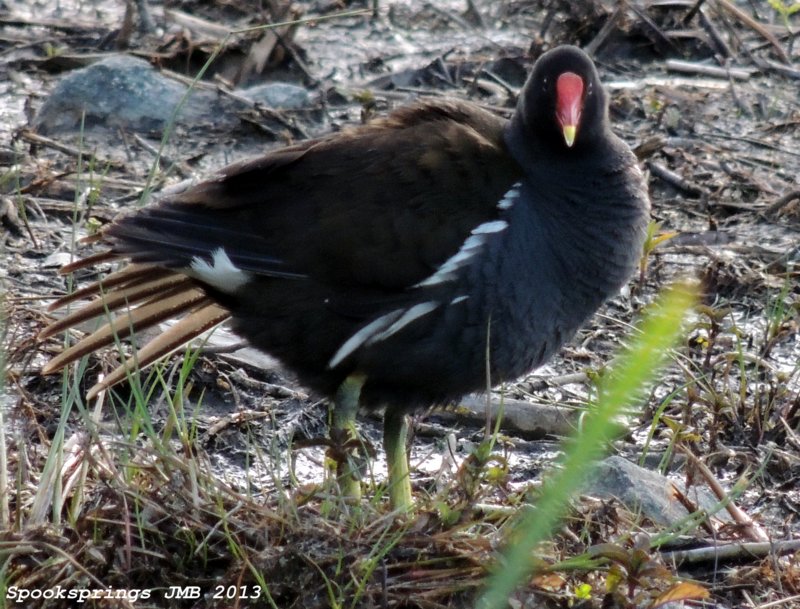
pixel 590 214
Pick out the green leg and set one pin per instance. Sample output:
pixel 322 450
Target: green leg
pixel 343 431
pixel 395 434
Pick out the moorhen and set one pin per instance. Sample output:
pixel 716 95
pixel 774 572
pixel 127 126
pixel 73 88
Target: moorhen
pixel 385 264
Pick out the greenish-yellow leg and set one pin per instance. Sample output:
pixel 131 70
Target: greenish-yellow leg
pixel 343 431
pixel 395 434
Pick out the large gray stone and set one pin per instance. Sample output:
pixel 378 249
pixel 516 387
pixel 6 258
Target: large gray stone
pixel 127 92
pixel 279 95
pixel 644 491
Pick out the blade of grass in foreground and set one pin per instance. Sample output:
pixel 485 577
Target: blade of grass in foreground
pixel 634 368
pixel 5 513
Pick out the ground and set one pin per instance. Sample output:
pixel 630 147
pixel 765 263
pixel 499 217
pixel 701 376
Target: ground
pixel 218 488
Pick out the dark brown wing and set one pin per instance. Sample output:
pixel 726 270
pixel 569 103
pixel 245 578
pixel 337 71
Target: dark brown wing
pixel 378 206
pixel 375 208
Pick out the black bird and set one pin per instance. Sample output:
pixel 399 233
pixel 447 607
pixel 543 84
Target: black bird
pixel 384 264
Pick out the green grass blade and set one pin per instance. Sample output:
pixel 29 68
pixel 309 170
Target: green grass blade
pixel 633 370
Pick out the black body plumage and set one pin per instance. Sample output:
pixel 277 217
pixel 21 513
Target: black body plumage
pixel 390 264
pixel 409 249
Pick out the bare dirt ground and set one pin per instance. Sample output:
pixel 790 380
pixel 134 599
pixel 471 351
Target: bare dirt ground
pixel 220 486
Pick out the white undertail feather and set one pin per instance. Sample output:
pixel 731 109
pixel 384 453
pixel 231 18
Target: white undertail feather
pixel 221 273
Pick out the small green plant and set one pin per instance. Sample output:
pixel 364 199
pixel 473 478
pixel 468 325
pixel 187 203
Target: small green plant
pixel 784 10
pixel 5 514
pixel 779 315
pixel 635 367
pixel 634 579
pixel 652 240
pixel 51 50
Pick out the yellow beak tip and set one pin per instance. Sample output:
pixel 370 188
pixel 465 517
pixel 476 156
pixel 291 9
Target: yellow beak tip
pixel 569 134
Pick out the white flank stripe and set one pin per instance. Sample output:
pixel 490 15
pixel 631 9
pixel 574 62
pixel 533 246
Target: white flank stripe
pixel 221 273
pixel 470 247
pixel 458 299
pixel 381 329
pixel 487 228
pixel 508 200
pixel 363 335
pixel 410 315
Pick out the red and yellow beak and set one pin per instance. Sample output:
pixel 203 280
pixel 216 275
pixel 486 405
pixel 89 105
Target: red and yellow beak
pixel 569 103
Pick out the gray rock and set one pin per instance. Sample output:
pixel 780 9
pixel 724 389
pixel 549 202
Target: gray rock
pixel 279 95
pixel 644 491
pixel 126 92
